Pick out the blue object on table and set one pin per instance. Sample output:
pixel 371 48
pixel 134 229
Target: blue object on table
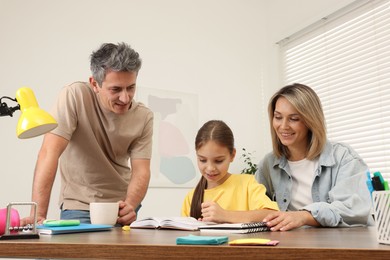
pixel 201 240
pixel 46 230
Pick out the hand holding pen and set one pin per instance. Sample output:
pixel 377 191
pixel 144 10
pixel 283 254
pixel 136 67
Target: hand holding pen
pixel 211 211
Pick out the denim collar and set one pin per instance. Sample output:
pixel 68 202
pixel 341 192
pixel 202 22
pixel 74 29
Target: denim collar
pixel 326 158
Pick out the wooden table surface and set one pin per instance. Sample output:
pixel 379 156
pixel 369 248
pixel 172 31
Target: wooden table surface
pixel 305 243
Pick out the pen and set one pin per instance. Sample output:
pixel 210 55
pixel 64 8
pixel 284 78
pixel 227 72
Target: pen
pixel 369 186
pixel 377 184
pixel 368 175
pixel 369 183
pixel 218 196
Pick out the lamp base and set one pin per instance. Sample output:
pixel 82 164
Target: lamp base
pixel 26 232
pixel 19 236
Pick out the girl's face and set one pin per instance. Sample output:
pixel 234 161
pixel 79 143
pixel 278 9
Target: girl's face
pixel 213 163
pixel 289 127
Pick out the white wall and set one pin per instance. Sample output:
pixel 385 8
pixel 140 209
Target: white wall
pixel 222 50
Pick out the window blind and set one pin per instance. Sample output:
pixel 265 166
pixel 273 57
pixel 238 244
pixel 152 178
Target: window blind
pixel 345 58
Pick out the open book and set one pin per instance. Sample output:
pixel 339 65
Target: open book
pixel 180 223
pixel 238 228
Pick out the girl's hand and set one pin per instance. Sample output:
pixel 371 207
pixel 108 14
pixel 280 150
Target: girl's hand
pixel 212 212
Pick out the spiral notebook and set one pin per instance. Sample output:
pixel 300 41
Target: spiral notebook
pixel 235 228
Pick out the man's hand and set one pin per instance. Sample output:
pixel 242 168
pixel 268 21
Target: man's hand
pixel 126 214
pixel 30 220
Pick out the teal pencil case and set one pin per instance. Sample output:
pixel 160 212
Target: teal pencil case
pixel 201 240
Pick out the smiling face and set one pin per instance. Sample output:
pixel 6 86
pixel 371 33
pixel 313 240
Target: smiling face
pixel 290 128
pixel 213 163
pixel 117 90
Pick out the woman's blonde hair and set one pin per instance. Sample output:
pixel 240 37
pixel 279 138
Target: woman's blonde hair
pixel 308 105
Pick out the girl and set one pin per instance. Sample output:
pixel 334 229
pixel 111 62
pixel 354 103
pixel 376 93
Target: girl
pixel 220 196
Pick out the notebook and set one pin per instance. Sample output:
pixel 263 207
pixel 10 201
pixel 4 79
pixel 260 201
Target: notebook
pixel 47 230
pixel 179 223
pixel 235 228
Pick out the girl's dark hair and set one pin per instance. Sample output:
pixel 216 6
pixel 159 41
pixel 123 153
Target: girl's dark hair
pixel 219 132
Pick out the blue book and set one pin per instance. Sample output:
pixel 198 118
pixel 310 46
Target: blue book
pixel 47 230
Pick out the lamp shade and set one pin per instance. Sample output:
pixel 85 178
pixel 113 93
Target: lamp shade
pixel 33 120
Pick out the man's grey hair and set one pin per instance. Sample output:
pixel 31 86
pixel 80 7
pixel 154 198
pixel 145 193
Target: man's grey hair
pixel 114 57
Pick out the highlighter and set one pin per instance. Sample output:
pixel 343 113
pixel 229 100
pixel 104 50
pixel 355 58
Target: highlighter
pixel 61 222
pixel 386 185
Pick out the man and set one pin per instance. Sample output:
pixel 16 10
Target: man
pixel 100 127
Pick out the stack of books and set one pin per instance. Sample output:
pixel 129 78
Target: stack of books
pixel 191 224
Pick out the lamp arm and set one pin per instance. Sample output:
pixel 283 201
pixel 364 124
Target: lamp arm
pixel 8 111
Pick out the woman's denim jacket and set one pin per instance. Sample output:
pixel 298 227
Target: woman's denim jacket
pixel 339 191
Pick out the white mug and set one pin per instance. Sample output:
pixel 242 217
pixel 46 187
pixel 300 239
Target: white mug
pixel 104 213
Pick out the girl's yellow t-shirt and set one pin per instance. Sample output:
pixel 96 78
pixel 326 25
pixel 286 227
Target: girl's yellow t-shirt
pixel 240 192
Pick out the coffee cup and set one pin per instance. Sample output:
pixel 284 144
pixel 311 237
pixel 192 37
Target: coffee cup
pixel 104 213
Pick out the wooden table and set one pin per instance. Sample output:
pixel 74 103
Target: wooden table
pixel 305 243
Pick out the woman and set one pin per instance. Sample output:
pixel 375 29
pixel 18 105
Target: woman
pixel 315 182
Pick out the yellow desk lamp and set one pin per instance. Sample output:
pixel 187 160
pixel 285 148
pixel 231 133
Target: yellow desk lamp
pixel 32 122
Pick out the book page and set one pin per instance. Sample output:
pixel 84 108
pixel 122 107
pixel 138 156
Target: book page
pixel 183 223
pixel 149 222
pixel 186 223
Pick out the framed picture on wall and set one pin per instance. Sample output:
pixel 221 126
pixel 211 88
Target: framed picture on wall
pixel 173 161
